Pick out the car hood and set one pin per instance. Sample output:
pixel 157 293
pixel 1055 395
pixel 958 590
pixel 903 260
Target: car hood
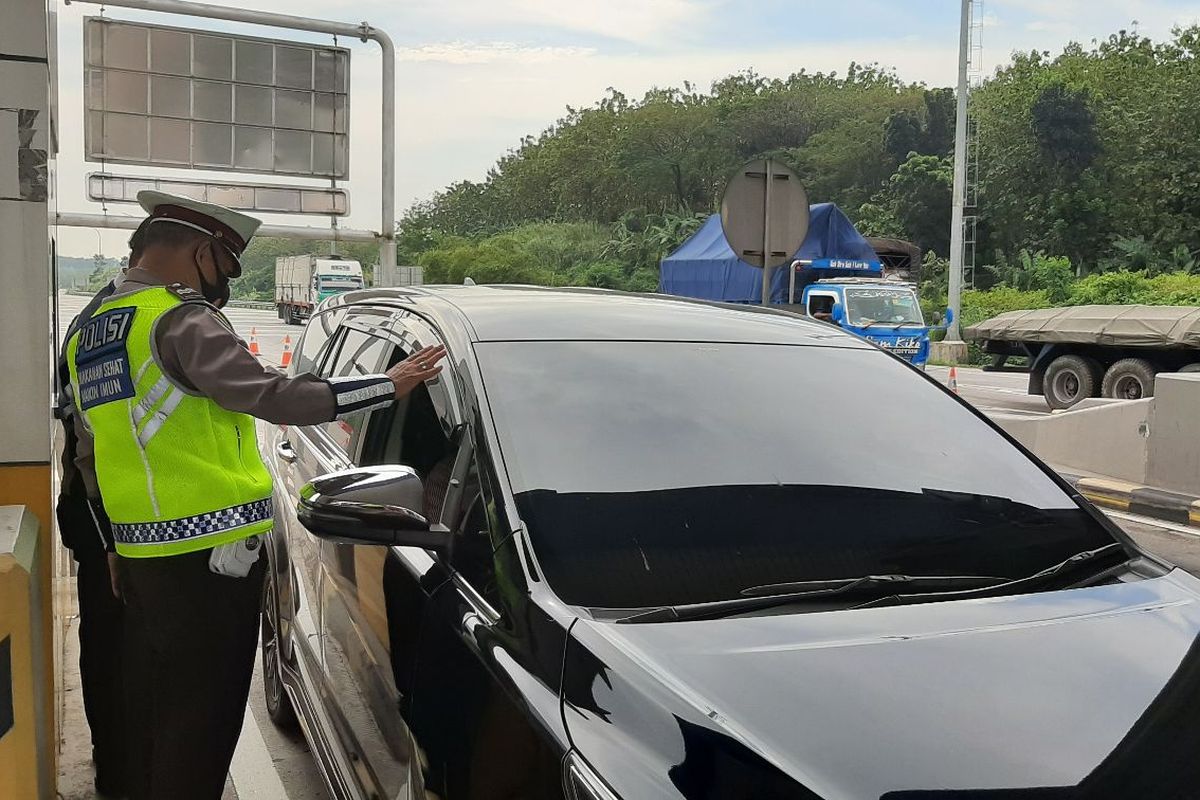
pixel 1061 691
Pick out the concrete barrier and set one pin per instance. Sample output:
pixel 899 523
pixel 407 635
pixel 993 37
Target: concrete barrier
pixel 26 735
pixel 1174 454
pixel 1143 455
pixel 1108 438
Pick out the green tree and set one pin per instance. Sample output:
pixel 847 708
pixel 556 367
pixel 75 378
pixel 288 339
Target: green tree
pixel 915 204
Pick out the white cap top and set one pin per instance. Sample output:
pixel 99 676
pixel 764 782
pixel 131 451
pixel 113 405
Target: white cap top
pixel 233 228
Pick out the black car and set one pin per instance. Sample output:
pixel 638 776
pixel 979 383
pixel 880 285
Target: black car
pixel 637 547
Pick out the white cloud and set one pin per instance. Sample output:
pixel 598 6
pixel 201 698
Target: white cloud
pixel 631 20
pixel 490 52
pixel 1043 25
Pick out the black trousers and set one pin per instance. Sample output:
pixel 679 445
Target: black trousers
pixel 100 636
pixel 189 655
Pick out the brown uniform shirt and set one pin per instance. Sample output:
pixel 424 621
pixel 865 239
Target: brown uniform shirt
pixel 198 350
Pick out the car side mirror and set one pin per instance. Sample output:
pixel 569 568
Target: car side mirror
pixel 839 313
pixel 370 505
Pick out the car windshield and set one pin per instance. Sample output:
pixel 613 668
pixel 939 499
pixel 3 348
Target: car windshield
pixel 663 473
pixel 868 304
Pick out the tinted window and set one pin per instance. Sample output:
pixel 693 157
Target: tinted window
pixel 358 354
pixel 315 342
pixel 693 471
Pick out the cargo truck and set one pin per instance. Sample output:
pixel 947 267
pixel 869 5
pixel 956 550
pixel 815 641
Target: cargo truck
pixel 1092 351
pixel 301 282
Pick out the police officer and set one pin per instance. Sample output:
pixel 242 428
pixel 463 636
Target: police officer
pixel 166 393
pixel 85 531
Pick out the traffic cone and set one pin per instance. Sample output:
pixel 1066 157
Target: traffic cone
pixel 254 342
pixel 286 361
pixel 953 385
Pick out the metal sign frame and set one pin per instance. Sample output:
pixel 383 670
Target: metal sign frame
pixel 363 32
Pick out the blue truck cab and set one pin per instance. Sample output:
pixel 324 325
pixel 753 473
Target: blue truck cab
pixel 882 310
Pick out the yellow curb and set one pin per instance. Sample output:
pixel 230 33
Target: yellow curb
pixel 1108 501
pixel 1108 486
pixel 1194 513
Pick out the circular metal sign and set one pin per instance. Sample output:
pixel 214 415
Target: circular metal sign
pixel 764 212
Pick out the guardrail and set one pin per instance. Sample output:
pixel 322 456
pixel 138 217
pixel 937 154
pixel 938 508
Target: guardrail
pixel 262 305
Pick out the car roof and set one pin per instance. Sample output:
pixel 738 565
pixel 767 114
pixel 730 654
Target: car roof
pixel 534 313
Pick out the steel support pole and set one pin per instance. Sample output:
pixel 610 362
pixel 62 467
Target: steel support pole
pixel 364 32
pixel 960 176
pixel 766 285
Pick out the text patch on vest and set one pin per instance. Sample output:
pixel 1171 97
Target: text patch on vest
pixel 102 360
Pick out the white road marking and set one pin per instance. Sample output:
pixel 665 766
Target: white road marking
pixel 253 770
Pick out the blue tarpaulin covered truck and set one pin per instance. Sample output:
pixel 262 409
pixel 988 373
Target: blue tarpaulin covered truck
pixel 838 279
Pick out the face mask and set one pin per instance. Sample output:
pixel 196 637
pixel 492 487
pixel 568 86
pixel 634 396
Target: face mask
pixel 215 293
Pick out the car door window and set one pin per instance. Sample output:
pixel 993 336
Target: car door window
pixel 358 353
pixel 820 304
pixel 315 342
pixel 412 432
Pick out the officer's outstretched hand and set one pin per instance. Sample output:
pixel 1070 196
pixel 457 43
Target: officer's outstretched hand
pixel 416 369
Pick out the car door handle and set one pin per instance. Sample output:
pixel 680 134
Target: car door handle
pixel 284 450
pixel 470 621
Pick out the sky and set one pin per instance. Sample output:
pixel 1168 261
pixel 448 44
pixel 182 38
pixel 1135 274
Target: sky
pixel 474 76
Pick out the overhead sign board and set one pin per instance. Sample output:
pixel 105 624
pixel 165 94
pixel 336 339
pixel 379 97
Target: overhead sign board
pixel 184 98
pixel 272 198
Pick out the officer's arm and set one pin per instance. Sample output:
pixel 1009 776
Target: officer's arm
pixel 197 351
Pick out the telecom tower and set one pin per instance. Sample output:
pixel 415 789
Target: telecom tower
pixel 971 184
pixel 966 168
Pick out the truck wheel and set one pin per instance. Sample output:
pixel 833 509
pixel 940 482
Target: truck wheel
pixel 292 317
pixel 1130 379
pixel 1070 379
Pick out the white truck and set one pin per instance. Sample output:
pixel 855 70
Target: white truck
pixel 301 282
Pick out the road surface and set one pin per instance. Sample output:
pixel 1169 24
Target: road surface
pixel 275 766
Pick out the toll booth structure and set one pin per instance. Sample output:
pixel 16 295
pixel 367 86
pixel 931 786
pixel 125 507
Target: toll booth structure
pixel 28 142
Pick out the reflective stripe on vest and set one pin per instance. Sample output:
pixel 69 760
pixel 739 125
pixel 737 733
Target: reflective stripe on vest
pixel 177 472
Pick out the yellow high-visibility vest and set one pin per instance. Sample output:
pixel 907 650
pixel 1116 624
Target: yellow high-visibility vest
pixel 177 472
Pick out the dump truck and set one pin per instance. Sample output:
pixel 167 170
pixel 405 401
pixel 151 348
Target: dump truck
pixel 301 282
pixel 1092 351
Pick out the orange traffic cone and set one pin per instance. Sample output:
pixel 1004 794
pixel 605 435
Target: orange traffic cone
pixel 286 361
pixel 953 384
pixel 254 342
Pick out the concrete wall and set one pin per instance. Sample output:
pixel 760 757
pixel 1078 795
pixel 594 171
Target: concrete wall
pixel 1174 453
pixel 1154 442
pixel 1108 439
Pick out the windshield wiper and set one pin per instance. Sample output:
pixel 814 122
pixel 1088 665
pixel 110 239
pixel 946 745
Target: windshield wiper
pixel 757 598
pixel 1041 576
pixel 936 587
pixel 839 585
